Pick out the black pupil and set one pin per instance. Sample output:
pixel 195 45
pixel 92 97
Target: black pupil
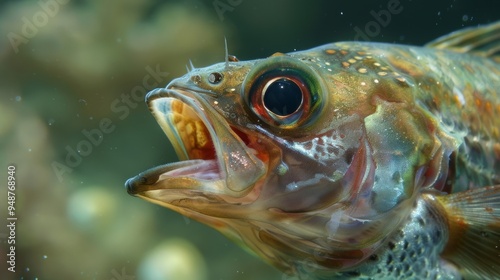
pixel 283 97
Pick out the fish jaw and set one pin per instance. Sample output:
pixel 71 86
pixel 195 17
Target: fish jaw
pixel 216 167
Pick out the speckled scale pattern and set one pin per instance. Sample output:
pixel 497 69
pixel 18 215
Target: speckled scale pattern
pixel 322 146
pixel 410 253
pixel 457 92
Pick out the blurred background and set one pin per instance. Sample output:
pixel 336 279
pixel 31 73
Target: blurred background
pixel 74 124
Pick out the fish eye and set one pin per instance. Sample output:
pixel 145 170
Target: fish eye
pixel 283 92
pixel 282 96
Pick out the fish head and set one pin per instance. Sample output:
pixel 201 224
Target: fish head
pixel 275 154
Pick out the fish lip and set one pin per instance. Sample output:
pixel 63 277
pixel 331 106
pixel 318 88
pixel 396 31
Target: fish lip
pixel 139 183
pixel 204 168
pixel 147 180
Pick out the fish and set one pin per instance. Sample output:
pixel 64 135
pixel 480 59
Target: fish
pixel 351 160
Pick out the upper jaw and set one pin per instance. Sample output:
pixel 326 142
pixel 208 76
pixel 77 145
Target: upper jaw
pixel 231 171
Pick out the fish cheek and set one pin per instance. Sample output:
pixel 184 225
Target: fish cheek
pixel 317 167
pixel 398 140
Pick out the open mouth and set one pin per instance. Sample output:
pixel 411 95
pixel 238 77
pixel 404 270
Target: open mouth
pixel 214 156
pixel 190 137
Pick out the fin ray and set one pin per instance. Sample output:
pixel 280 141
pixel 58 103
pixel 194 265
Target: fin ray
pixel 474 224
pixel 483 41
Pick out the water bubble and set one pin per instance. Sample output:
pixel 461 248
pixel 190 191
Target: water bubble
pixel 82 102
pixel 92 209
pixel 51 121
pixel 173 259
pixel 18 98
pixel 465 18
pixel 44 257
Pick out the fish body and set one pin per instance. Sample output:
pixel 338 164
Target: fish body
pixel 349 160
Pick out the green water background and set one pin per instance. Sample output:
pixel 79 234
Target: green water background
pixel 66 78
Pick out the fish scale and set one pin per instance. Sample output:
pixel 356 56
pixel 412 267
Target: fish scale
pixel 474 129
pixel 351 160
pixel 406 253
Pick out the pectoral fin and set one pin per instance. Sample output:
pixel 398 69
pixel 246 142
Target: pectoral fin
pixel 474 225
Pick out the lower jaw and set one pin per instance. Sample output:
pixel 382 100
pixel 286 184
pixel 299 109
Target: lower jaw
pixel 199 169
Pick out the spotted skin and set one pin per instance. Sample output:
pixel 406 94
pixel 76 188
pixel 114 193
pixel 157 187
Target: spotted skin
pixel 458 92
pixel 410 253
pixel 387 169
